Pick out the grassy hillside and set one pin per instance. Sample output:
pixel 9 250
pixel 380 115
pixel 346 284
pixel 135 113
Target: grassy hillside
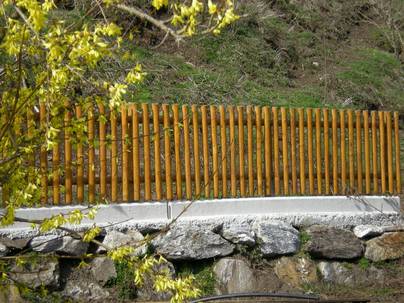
pixel 300 53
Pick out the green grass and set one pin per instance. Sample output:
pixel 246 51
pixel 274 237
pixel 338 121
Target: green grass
pixel 204 277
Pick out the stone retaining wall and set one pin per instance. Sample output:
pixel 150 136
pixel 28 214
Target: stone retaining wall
pixel 295 256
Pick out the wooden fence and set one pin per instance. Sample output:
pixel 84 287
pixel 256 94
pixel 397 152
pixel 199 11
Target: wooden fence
pixel 166 152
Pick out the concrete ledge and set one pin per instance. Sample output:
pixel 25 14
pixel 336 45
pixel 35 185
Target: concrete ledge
pixel 298 211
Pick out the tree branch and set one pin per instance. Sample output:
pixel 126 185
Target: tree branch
pixel 142 15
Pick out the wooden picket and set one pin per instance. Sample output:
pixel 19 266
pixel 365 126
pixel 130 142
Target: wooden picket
pixel 170 152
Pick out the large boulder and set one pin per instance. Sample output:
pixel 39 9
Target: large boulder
pixel 333 243
pixel 146 291
pixel 46 244
pixel 84 292
pixel 103 270
pixel 133 238
pixel 71 246
pixel 42 272
pixel 3 250
pixel 15 244
pixel 233 276
pixel 239 231
pixel 350 274
pixel 191 242
pixel 276 238
pixel 367 231
pixel 296 271
pixel 389 246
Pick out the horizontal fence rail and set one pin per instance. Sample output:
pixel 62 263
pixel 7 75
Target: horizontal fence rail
pixel 169 152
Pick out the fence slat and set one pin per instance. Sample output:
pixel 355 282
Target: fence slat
pixel 103 152
pixel 382 152
pixel 125 153
pixel 205 144
pixel 351 150
pixel 390 167
pixel 326 152
pixel 241 149
pixel 258 121
pixel 187 153
pixel 43 157
pixel 310 149
pixel 276 150
pixel 397 151
pixel 91 157
pixel 177 147
pixel 250 152
pixel 367 151
pixel 318 151
pixel 114 158
pixel 359 151
pixel 197 165
pixel 293 150
pixel 167 151
pixel 80 163
pixel 157 152
pixel 146 150
pixel 374 152
pixel 232 152
pixel 135 153
pixel 55 173
pixel 343 151
pixel 334 150
pixel 267 149
pixel 223 149
pixel 215 157
pixel 302 159
pixel 68 157
pixel 285 151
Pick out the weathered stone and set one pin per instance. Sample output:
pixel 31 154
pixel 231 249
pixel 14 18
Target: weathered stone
pixel 239 232
pixel 389 246
pixel 3 250
pixel 189 241
pixel 71 246
pixel 366 231
pixel 147 292
pixel 276 238
pixel 296 272
pixel 10 294
pixel 103 269
pixel 44 272
pixel 349 274
pixel 132 238
pixel 233 276
pixel 15 243
pixel 84 292
pixel 333 243
pixel 46 244
pixel 335 272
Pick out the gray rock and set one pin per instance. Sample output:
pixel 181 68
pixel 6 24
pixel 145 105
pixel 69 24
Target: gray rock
pixel 389 246
pixel 366 231
pixel 336 273
pixel 9 293
pixel 190 242
pixel 46 244
pixel 84 292
pixel 146 292
pixel 276 238
pixel 296 271
pixel 333 243
pixel 233 276
pixel 71 246
pixel 44 272
pixel 103 269
pixel 239 232
pixel 3 250
pixel 133 238
pixel 350 274
pixel 15 243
